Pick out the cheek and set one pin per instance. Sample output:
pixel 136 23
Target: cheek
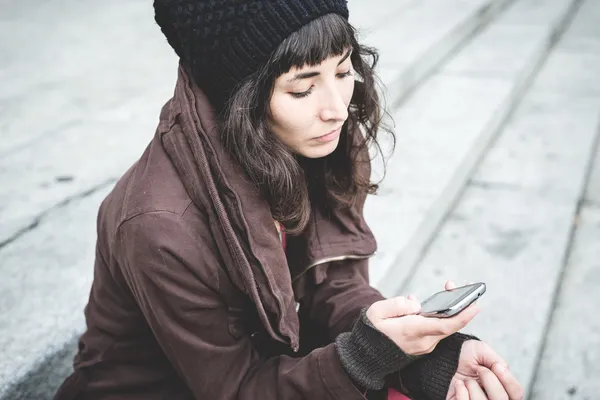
pixel 348 90
pixel 289 118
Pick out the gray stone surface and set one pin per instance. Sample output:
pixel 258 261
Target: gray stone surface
pixel 84 84
pixel 578 55
pixel 446 127
pixel 80 76
pixel 566 63
pixel 434 135
pixel 501 51
pixel 514 239
pixel 570 360
pixel 46 278
pixel 515 242
pixel 377 13
pixel 516 39
pixel 42 382
pixel 593 190
pixel 423 36
pixel 424 25
pixel 76 48
pixel 545 148
pixel 570 363
pixel 512 227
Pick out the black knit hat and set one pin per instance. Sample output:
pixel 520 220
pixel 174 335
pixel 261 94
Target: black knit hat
pixel 225 41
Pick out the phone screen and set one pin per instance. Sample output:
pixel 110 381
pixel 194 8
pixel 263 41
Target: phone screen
pixel 446 299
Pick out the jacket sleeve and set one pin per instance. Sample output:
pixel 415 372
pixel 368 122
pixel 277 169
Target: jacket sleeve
pixel 336 304
pixel 340 290
pixel 171 272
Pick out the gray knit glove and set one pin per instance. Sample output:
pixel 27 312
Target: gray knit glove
pixel 368 355
pixel 429 377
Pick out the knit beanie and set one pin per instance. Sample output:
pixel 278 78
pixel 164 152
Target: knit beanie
pixel 223 42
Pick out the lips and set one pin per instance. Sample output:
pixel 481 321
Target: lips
pixel 334 134
pixel 333 131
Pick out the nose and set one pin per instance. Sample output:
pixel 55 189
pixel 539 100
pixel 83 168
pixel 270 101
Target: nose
pixel 334 108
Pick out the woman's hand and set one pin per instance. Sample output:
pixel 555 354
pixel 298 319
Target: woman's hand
pixel 414 334
pixel 482 374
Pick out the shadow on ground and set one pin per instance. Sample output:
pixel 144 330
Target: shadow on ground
pixel 42 382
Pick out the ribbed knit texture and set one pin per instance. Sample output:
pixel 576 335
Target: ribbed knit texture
pixel 428 378
pixel 368 355
pixel 225 41
pixel 373 360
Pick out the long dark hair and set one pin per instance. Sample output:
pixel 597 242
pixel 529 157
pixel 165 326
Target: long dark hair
pixel 289 182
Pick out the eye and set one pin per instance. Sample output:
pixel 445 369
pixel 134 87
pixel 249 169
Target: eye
pixel 345 74
pixel 299 95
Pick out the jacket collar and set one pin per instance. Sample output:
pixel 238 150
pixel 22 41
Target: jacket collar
pixel 216 182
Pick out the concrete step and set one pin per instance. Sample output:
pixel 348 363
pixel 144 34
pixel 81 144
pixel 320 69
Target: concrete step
pixel 512 228
pixel 447 125
pixel 46 278
pixel 73 86
pixel 414 38
pixel 74 47
pixel 569 366
pixel 42 382
pixel 369 16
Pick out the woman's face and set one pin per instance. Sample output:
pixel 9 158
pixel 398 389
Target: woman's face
pixel 309 105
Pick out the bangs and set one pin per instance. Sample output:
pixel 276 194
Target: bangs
pixel 328 36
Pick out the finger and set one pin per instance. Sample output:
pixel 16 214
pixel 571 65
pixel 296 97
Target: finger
pixel 391 308
pixel 412 297
pixel 475 391
pixel 451 395
pixel 509 382
pixel 492 385
pixel 461 391
pixel 450 285
pixel 448 326
pixel 489 358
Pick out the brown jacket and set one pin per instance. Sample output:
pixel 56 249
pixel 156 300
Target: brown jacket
pixel 193 296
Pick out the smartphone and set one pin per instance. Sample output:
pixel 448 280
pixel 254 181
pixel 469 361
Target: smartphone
pixel 448 303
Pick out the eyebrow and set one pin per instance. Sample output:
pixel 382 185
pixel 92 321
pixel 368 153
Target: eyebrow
pixel 311 74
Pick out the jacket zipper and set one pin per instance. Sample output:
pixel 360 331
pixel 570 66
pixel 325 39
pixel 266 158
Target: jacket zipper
pixel 331 259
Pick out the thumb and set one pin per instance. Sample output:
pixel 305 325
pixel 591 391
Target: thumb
pixel 487 357
pixel 392 308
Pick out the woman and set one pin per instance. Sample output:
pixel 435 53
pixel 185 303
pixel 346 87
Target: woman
pixel 232 258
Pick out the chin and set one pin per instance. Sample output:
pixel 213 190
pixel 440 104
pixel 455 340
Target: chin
pixel 319 151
